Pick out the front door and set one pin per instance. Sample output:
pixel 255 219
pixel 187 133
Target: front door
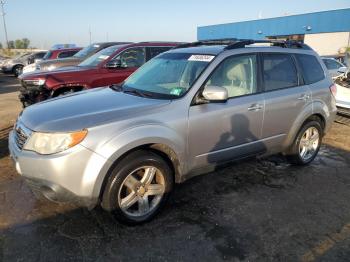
pixel 221 132
pixel 131 59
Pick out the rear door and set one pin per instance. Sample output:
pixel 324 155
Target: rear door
pixel 285 96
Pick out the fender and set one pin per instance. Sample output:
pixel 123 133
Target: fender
pixel 298 122
pixel 137 137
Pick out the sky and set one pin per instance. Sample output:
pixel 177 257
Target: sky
pixel 48 22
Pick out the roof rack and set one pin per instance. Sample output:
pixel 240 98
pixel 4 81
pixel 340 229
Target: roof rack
pixel 280 43
pixel 224 41
pixel 233 43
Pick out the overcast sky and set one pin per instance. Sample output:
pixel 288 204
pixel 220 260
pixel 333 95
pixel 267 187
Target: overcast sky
pixel 48 22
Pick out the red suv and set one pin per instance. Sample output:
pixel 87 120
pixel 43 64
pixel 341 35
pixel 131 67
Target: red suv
pixel 109 66
pixel 61 53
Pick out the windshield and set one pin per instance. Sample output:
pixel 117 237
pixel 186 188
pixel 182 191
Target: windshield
pixel 99 57
pixel 170 74
pixel 90 49
pixel 47 55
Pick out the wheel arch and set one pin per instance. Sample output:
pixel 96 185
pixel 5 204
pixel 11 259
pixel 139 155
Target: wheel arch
pixel 161 149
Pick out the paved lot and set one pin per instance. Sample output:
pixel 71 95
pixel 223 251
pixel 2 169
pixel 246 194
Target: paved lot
pixel 256 210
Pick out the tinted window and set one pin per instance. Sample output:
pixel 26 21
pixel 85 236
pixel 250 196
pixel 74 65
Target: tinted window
pixel 312 70
pixel 133 57
pixel 66 54
pixel 237 74
pixel 154 51
pixel 279 71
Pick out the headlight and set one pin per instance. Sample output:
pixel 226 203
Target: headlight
pixel 50 143
pixel 51 67
pixel 35 82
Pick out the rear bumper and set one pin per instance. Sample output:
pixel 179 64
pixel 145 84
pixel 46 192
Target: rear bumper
pixel 343 111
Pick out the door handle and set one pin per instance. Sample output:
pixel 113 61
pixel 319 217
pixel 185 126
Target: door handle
pixel 304 97
pixel 255 107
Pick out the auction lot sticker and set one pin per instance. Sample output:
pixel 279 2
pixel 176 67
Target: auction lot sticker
pixel 201 58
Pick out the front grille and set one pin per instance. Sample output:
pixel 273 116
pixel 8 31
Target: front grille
pixel 21 136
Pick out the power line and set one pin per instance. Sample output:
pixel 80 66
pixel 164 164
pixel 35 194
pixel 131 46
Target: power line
pixel 2 3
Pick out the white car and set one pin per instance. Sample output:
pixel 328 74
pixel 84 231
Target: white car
pixel 29 68
pixel 334 67
pixel 342 97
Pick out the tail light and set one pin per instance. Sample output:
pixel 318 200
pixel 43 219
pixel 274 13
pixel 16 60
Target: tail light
pixel 333 89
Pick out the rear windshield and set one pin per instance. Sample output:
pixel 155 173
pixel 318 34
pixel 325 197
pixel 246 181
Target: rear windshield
pixel 311 68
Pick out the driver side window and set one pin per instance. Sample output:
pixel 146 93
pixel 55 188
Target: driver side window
pixel 237 74
pixel 133 57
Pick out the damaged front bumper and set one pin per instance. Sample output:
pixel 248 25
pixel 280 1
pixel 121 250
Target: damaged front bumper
pixel 31 94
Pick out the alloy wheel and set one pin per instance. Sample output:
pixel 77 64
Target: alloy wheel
pixel 309 143
pixel 141 191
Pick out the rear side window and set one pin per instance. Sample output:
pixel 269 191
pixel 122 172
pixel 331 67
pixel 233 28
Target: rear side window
pixel 279 71
pixel 311 68
pixel 66 54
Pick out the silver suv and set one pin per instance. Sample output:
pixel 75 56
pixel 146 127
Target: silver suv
pixel 183 113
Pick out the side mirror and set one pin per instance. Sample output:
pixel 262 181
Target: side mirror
pixel 342 69
pixel 215 93
pixel 115 64
pixel 37 60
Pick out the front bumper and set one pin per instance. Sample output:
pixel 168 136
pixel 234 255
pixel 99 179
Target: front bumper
pixel 69 176
pixel 30 95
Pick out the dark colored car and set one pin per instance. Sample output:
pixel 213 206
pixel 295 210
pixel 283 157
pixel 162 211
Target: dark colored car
pixel 111 65
pixel 75 59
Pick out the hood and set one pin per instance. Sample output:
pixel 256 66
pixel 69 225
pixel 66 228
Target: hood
pixel 63 70
pixel 87 109
pixel 69 61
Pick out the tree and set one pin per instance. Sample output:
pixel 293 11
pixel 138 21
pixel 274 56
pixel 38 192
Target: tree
pixel 19 44
pixel 1 46
pixel 11 44
pixel 26 42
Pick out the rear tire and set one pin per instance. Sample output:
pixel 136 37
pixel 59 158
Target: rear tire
pixel 306 144
pixel 138 187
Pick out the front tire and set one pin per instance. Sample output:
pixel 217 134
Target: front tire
pixel 138 187
pixel 306 144
pixel 17 70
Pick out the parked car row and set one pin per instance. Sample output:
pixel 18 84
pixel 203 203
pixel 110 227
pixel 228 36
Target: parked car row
pixel 111 65
pixel 188 109
pixel 15 65
pixel 52 54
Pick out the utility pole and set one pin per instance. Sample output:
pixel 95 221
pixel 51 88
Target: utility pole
pixel 2 3
pixel 90 34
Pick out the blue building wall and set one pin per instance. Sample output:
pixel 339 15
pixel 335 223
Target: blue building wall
pixel 320 22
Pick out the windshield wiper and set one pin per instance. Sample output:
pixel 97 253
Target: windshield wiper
pixel 116 87
pixel 136 92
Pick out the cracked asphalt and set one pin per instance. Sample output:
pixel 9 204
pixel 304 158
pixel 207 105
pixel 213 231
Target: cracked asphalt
pixel 254 210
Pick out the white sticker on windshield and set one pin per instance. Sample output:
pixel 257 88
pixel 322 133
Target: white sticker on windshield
pixel 103 57
pixel 201 58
